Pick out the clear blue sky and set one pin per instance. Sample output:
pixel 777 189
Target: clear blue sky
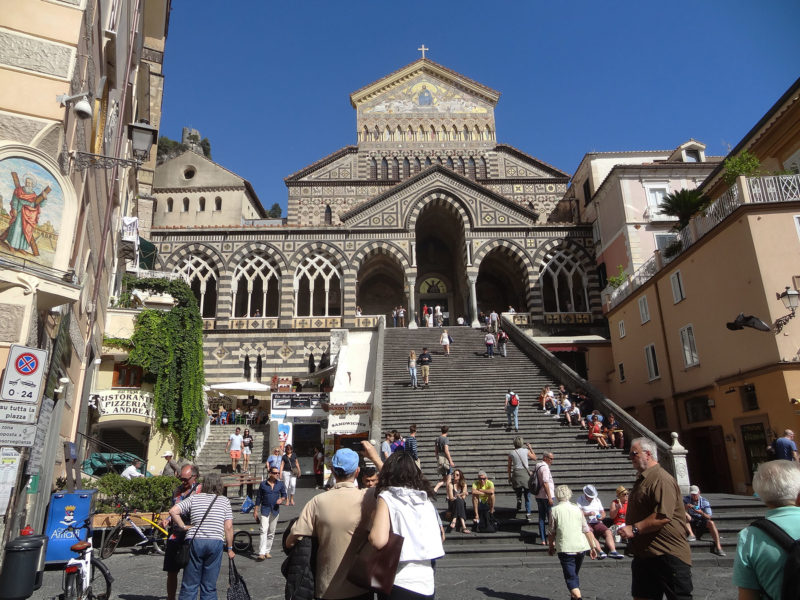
pixel 269 82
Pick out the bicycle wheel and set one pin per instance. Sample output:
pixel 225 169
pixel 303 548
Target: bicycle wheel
pixel 159 544
pixel 242 541
pixel 112 541
pixel 101 581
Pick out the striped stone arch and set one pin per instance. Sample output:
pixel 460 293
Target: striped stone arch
pixel 381 247
pixel 516 253
pixel 360 257
pixel 258 247
pixel 440 198
pixel 584 260
pixel 203 250
pixel 313 247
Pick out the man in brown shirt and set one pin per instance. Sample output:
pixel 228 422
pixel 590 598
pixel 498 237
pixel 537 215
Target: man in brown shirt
pixel 654 529
pixel 332 517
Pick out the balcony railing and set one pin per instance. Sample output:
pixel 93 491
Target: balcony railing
pixel 773 188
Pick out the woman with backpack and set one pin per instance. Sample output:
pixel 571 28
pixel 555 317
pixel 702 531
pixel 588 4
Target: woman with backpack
pixel 512 410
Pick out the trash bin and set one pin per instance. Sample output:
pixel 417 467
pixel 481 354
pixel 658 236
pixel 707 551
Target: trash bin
pixel 20 565
pixel 40 564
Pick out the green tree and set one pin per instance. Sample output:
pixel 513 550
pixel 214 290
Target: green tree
pixel 683 205
pixel 275 212
pixel 206 146
pixel 168 147
pixel 745 163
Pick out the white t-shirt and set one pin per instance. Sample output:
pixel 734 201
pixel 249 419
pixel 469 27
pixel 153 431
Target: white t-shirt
pixel 131 472
pixel 235 441
pixel 590 506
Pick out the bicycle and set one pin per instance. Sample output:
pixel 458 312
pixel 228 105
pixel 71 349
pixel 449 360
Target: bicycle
pixel 81 580
pixel 242 542
pixel 155 536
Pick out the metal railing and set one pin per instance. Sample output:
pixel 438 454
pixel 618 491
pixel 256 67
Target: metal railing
pixel 673 459
pixel 772 188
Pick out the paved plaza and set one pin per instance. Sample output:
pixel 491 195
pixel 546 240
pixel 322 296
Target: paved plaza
pixel 139 577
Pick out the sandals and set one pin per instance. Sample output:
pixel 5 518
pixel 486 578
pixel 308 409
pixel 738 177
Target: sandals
pixel 465 530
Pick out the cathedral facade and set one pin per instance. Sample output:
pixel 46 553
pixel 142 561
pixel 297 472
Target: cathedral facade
pixel 426 208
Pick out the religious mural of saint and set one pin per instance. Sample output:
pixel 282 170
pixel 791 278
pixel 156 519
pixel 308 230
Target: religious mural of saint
pixel 34 207
pixel 425 98
pixel 26 204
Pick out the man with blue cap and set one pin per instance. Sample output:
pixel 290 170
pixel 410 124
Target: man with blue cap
pixel 332 517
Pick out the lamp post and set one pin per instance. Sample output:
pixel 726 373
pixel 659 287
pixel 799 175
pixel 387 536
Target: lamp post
pixel 791 299
pixel 142 136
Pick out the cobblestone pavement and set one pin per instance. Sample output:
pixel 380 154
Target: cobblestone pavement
pixel 141 578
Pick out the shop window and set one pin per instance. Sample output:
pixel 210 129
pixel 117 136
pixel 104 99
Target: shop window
pixel 127 376
pixel 697 409
pixel 749 398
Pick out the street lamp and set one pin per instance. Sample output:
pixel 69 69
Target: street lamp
pixel 164 420
pixel 791 299
pixel 142 136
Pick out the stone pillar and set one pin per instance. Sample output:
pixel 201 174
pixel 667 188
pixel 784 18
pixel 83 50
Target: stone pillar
pixel 679 464
pixel 473 302
pixel 413 254
pixel 412 301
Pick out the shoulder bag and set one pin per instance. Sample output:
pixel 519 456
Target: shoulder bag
pixel 375 569
pixel 182 558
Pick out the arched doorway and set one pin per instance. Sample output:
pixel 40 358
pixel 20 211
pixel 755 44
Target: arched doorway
pixel 502 282
pixel 380 285
pixel 441 262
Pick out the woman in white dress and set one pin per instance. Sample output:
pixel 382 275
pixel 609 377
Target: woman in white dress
pixel 444 340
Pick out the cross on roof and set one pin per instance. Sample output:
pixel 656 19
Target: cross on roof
pixel 423 49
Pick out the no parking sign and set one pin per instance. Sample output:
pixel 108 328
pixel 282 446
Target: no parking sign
pixel 24 373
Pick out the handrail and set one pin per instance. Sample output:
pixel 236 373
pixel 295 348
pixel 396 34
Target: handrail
pixel 377 393
pixel 672 459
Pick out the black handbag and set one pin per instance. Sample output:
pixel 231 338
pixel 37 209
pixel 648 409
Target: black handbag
pixel 182 557
pixel 375 569
pixel 237 588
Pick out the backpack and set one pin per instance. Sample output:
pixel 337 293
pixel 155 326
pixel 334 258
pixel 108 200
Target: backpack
pixel 790 590
pixel 514 400
pixel 534 483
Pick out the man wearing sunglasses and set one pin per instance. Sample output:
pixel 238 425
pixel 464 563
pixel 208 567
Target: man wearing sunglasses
pixel 271 494
pixel 188 476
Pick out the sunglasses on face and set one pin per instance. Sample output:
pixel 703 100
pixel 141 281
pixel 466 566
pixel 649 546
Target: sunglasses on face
pixel 273 472
pixel 186 479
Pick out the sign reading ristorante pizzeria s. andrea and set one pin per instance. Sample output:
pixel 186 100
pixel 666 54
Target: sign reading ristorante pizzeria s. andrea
pixel 125 402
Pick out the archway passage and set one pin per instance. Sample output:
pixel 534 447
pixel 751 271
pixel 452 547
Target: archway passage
pixel 502 283
pixel 440 254
pixel 380 285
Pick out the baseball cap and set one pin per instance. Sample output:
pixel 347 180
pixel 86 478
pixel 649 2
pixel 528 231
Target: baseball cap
pixel 694 490
pixel 590 491
pixel 345 460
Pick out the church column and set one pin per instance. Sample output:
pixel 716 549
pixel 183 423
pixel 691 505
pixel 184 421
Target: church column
pixel 473 302
pixel 413 254
pixel 412 301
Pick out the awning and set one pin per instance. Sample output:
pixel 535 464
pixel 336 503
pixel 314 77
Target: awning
pixel 147 254
pixel 562 348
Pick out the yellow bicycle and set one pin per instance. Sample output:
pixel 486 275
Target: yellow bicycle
pixel 154 537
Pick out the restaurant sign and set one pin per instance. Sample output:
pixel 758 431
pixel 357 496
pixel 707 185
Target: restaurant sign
pixel 126 402
pixel 284 400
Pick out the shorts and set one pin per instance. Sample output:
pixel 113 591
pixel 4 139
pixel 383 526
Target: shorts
pixel 444 466
pixel 654 576
pixel 699 526
pixel 174 542
pixel 246 451
pixel 425 370
pixel 598 528
pixel 237 454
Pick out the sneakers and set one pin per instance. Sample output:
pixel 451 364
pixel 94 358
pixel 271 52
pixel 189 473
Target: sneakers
pixel 718 552
pixel 601 555
pixel 691 538
pixel 616 555
pixel 528 517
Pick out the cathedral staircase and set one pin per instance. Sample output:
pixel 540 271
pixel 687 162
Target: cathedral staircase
pixel 467 392
pixel 213 456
